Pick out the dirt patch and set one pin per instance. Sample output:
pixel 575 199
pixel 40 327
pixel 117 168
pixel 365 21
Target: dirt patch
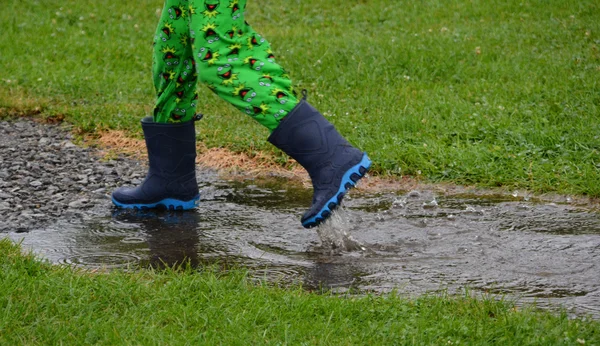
pixel 240 165
pixel 117 142
pixel 221 159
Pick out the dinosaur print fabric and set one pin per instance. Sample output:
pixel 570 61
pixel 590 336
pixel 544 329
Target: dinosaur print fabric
pixel 209 40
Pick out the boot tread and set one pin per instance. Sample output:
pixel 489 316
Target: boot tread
pixel 358 171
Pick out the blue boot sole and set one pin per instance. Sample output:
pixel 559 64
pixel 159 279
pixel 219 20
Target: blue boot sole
pixel 167 203
pixel 349 180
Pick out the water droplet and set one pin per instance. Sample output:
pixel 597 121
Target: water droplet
pixel 399 203
pixel 414 194
pixel 430 205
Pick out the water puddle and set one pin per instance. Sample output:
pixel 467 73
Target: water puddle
pixel 413 242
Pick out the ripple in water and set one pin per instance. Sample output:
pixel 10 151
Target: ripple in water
pixel 133 240
pixel 106 260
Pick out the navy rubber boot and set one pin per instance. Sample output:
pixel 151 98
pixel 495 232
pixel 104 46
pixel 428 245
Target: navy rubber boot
pixel 171 179
pixel 333 164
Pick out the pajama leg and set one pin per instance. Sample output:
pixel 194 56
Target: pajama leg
pixel 237 63
pixel 174 73
pixel 170 135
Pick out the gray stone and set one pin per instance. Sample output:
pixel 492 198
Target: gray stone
pixel 47 176
pixel 36 183
pixel 80 203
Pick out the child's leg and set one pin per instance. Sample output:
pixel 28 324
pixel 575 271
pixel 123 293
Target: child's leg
pixel 173 67
pixel 170 135
pixel 237 63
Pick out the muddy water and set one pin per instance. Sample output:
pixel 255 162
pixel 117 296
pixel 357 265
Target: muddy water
pixel 414 242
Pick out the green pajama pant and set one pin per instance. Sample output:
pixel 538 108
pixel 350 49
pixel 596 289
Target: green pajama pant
pixel 210 40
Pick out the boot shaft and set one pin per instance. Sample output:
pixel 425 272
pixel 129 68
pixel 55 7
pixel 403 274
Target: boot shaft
pixel 171 147
pixel 306 136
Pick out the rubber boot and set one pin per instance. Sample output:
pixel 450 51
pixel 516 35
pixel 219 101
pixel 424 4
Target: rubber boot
pixel 333 164
pixel 171 179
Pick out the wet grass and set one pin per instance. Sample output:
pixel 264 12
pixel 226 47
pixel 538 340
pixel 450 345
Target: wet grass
pixel 472 92
pixel 44 304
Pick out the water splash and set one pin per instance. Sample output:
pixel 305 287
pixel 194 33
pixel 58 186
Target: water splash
pixel 334 233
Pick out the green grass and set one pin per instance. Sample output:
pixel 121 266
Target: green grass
pixel 471 92
pixel 48 305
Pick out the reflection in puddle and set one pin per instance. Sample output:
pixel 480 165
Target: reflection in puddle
pixel 415 242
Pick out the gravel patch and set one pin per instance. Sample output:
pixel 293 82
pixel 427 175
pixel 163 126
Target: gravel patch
pixel 45 176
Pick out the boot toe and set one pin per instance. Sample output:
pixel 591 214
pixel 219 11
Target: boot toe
pixel 326 201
